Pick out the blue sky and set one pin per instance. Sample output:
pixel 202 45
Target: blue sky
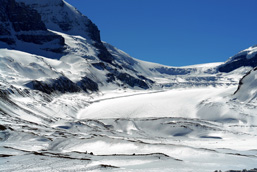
pixel 175 32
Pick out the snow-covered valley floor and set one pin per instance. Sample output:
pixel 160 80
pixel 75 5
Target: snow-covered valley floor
pixel 197 129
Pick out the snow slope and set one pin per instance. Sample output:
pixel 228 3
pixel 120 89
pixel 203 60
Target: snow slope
pixel 247 91
pixel 135 131
pixel 168 103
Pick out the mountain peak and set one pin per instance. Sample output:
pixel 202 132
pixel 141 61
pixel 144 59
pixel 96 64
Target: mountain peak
pixel 60 16
pixel 21 26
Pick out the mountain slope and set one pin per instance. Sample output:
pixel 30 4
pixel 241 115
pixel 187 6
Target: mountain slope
pixel 21 27
pixel 59 16
pixel 247 57
pixel 247 91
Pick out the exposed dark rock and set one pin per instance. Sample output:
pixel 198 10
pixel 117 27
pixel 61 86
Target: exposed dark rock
pixel 128 79
pixel 8 41
pixel 87 85
pixel 2 127
pixel 70 24
pixel 41 39
pixel 5 25
pixel 241 81
pixel 124 59
pixel 64 85
pixel 41 86
pixel 93 31
pixel 107 166
pixel 252 170
pixel 244 170
pixel 145 79
pixel 24 18
pixel 18 21
pixel 99 66
pixel 110 77
pixel 104 54
pixel 5 155
pixel 61 84
pixel 237 63
pixel 132 81
pixel 174 71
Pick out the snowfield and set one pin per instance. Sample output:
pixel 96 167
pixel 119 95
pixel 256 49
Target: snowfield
pixel 168 103
pixel 168 130
pixel 185 122
pixel 189 122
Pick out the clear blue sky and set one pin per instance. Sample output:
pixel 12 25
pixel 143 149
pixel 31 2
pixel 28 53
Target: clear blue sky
pixel 175 32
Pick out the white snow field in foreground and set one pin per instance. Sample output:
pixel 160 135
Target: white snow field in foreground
pixel 169 130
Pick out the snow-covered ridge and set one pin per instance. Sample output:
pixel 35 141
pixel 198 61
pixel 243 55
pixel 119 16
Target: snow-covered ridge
pixel 249 52
pixel 247 58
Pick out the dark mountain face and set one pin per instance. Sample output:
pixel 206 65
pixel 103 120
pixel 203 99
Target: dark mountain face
pixel 5 24
pixel 238 62
pixel 19 22
pixel 245 58
pixel 59 16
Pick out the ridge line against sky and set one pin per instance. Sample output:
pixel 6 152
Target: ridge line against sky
pixel 175 32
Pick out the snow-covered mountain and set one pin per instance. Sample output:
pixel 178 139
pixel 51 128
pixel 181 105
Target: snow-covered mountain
pixel 247 57
pixel 22 29
pixel 69 101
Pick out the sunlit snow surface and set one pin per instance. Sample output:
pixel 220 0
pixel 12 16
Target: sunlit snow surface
pixel 187 122
pixel 199 129
pixel 183 126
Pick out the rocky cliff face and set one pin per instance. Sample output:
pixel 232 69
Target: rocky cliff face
pixel 18 22
pixel 247 57
pixel 61 17
pixel 5 24
pixel 247 90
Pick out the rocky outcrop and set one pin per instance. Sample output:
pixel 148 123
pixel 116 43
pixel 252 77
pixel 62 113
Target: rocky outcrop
pixel 61 84
pixel 23 18
pixel 247 90
pixel 132 81
pixel 5 24
pixel 59 16
pixel 20 22
pixel 88 85
pixel 127 79
pixel 238 62
pixel 174 71
pixel 245 58
pixel 64 85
